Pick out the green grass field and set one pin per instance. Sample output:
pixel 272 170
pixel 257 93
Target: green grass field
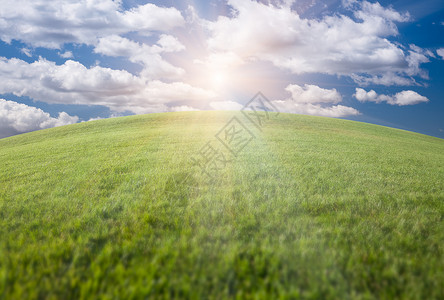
pixel 311 208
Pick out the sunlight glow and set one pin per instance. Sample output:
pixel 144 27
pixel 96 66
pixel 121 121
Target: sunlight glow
pixel 219 79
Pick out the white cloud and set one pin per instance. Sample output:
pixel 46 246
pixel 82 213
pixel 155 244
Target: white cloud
pixel 73 83
pixel 183 108
pixel 313 100
pixel 337 45
pixel 313 94
pixel 401 98
pixel 155 67
pixel 388 79
pixel 148 17
pixel 409 98
pixel 370 10
pixel 18 118
pixel 42 24
pixel 440 52
pixel 114 45
pixel 26 51
pixel 336 111
pixel 363 96
pixel 66 54
pixel 170 43
pixel 225 105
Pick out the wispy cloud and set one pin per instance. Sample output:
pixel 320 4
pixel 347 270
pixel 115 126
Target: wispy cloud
pixel 26 51
pixel 440 52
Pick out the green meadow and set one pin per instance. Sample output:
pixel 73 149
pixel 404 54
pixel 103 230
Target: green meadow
pixel 310 208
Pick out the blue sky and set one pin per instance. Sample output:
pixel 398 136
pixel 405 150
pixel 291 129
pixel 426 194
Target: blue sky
pixel 70 61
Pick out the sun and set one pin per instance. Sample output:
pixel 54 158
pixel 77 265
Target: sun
pixel 218 79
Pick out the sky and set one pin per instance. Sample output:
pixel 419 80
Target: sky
pixel 70 61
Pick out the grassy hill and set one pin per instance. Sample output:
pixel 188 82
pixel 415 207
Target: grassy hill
pixel 310 208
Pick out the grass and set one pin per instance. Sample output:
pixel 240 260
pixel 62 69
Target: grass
pixel 312 208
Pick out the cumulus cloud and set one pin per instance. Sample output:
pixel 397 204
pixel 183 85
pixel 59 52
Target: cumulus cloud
pixel 73 83
pixel 115 45
pixel 313 100
pixel 18 118
pixel 313 94
pixel 148 17
pixel 409 98
pixel 149 56
pixel 400 99
pixel 40 24
pixel 169 43
pixel 355 46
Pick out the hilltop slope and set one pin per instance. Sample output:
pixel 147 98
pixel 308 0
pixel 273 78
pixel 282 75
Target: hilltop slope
pixel 310 208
